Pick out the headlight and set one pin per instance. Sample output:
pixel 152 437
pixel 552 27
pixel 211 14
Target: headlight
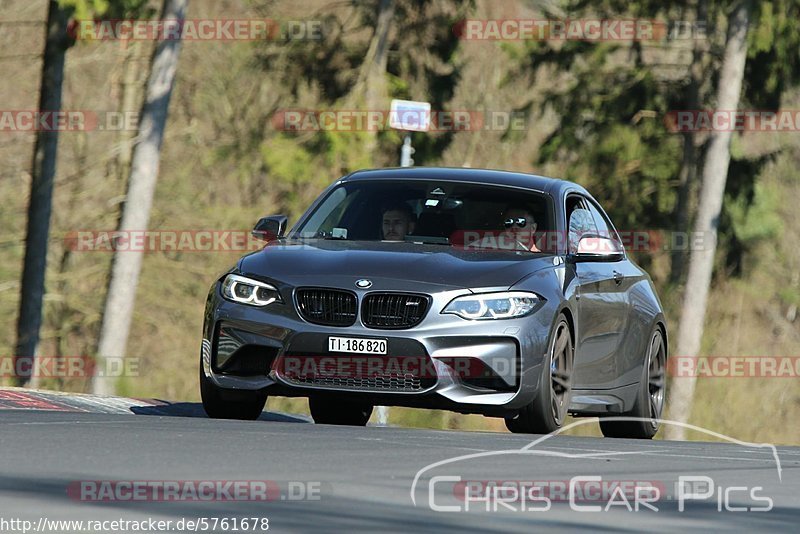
pixel 493 305
pixel 247 291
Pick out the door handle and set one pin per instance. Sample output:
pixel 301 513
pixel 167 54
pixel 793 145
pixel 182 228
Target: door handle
pixel 618 276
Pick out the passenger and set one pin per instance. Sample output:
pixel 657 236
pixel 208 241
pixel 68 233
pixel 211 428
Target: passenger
pixel 398 221
pixel 521 226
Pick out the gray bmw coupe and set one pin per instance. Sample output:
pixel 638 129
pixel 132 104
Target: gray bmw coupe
pixel 479 291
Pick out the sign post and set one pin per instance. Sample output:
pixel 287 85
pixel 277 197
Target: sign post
pixel 409 116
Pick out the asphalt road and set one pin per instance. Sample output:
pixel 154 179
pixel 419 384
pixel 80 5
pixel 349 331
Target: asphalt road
pixel 59 454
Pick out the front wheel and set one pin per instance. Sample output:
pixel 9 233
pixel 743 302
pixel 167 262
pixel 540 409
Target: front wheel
pixel 230 404
pixel 330 411
pixel 649 405
pixel 548 410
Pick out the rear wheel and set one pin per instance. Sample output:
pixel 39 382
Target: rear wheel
pixel 649 405
pixel 549 409
pixel 222 403
pixel 331 411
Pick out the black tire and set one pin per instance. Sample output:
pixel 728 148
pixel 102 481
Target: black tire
pixel 331 411
pixel 515 425
pixel 546 413
pixel 649 405
pixel 230 404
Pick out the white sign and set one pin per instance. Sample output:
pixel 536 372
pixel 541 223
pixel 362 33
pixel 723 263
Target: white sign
pixel 410 115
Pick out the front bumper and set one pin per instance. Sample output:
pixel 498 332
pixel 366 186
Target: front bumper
pixel 489 367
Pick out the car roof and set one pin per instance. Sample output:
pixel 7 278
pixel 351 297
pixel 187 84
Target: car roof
pixel 552 186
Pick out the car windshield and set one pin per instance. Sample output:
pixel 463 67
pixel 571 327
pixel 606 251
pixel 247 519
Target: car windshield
pixel 474 216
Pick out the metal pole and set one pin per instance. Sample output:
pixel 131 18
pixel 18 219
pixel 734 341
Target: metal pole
pixel 383 415
pixel 405 152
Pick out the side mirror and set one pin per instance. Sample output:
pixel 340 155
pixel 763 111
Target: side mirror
pixel 597 248
pixel 270 228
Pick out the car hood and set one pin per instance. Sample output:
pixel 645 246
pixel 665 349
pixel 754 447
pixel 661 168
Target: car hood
pixel 389 265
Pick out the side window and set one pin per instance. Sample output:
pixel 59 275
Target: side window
pixel 579 221
pixel 604 226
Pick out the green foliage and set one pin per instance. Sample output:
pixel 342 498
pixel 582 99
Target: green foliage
pixel 610 101
pixel 755 220
pixel 111 9
pixel 790 296
pixel 291 169
pixel 421 65
pixel 610 136
pixel 773 53
pixel 761 38
pixel 85 9
pixel 299 170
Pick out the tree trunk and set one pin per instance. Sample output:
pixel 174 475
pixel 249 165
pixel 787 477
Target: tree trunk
pixel 688 172
pixel 43 170
pixel 131 96
pixel 377 57
pixel 126 265
pixel 701 260
pixel 371 83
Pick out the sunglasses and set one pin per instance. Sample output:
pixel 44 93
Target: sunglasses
pixel 519 222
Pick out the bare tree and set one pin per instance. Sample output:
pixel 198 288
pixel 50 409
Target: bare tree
pixel 701 260
pixel 127 265
pixel 43 170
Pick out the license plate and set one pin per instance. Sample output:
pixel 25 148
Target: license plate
pixel 357 345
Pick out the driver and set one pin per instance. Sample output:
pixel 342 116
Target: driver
pixel 398 221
